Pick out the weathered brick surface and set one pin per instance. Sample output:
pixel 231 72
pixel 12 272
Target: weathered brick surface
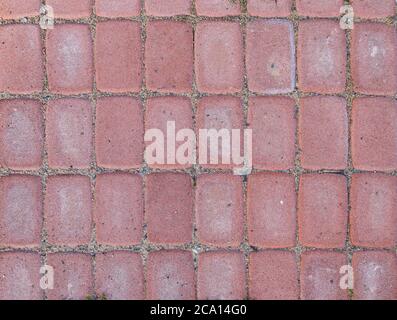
pixel 221 276
pixel 119 276
pixel 375 275
pixel 322 210
pixel 167 8
pixel 321 120
pixel 20 211
pixel 219 210
pixel 20 49
pixel 160 111
pixel 169 208
pixel 271 210
pixel 321 57
pixel 218 112
pixel 319 8
pixel 273 275
pixel 118 56
pixel 217 8
pixel 119 132
pixel 373 210
pixel 219 55
pixel 118 8
pixel 68 210
pixel 170 275
pixel 19 276
pixel 119 209
pixel 279 8
pixel 21 134
pixel 69 133
pixel 73 276
pixel 71 9
pixel 320 277
pixel 374 134
pixel 374 58
pixel 169 56
pixel 70 59
pixel 78 193
pixel 270 56
pixel 13 9
pixel 374 8
pixel 273 124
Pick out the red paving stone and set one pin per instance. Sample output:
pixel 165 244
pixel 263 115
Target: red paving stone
pixel 73 276
pixel 160 111
pixel 78 192
pixel 271 210
pixel 169 208
pixel 169 56
pixel 21 211
pixel 71 9
pixel 118 56
pixel 319 8
pixel 69 133
pixel 21 133
pixel 322 210
pixel 279 8
pixel 218 112
pixel 374 9
pixel 118 209
pixel 273 124
pixel 69 59
pixel 270 57
pixel 273 275
pixel 119 132
pixel 374 58
pixel 14 9
pixel 320 277
pixel 321 57
pixel 119 276
pixel 373 214
pixel 221 276
pixel 19 276
pixel 67 210
pixel 218 57
pixel 217 8
pixel 117 8
pixel 170 275
pixel 374 134
pixel 167 8
pixel 321 120
pixel 375 275
pixel 21 66
pixel 219 210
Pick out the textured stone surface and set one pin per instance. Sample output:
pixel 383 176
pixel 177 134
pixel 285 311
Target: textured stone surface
pixel 21 134
pixel 270 56
pixel 271 210
pixel 374 58
pixel 322 210
pixel 170 275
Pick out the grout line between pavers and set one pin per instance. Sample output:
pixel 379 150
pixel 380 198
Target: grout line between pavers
pixel 143 97
pixel 349 88
pixel 44 168
pixel 151 94
pixel 93 168
pixel 244 99
pixel 193 100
